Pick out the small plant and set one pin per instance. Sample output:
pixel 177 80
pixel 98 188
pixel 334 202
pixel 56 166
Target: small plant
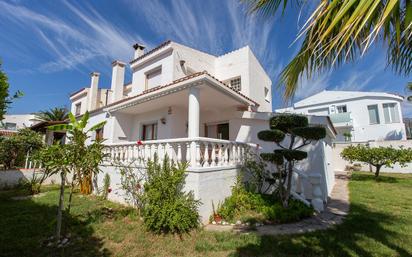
pixel 347 136
pixel 216 217
pixel 377 156
pixel 167 208
pixel 132 178
pixel 106 186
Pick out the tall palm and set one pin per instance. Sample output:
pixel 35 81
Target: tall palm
pixel 53 114
pixel 408 92
pixel 340 31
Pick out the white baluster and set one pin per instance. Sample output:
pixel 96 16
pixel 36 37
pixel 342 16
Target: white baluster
pixel 179 152
pixel 226 154
pixel 220 156
pixel 213 161
pixel 188 157
pixel 197 154
pixel 206 155
pixel 160 152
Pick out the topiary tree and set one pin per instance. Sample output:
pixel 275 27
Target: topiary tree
pixel 377 156
pixel 290 133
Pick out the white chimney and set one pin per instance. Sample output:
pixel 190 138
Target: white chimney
pixel 94 87
pixel 117 80
pixel 138 50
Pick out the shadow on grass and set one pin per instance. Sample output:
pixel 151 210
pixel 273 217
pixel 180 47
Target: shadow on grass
pixel 344 240
pixel 25 225
pixel 368 177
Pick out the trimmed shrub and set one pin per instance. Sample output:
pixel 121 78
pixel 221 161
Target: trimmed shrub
pixel 292 155
pixel 166 207
pixel 285 122
pixel 310 133
pixel 271 135
pixel 272 157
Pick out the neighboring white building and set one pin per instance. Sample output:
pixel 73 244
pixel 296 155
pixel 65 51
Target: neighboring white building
pixel 15 122
pixel 195 107
pixel 364 116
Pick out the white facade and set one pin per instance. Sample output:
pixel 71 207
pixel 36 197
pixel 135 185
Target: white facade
pixel 195 107
pixel 17 121
pixel 357 116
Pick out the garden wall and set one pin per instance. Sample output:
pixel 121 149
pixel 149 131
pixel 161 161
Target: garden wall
pixel 340 164
pixel 11 178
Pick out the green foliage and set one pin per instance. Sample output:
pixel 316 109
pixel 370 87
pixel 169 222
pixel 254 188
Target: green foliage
pixel 377 156
pixel 246 206
pixel 5 98
pixel 53 114
pixel 291 155
pixel 285 122
pixel 271 135
pixel 167 208
pixel 106 186
pixel 14 149
pixel 131 181
pixel 295 127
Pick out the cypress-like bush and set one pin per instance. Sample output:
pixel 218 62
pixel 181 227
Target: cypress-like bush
pixel 271 135
pixel 285 122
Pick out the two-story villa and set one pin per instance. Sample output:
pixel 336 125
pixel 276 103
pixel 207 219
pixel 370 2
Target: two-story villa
pixel 357 116
pixel 194 107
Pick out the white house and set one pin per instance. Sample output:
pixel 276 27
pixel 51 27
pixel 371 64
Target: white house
pixel 18 121
pixel 199 108
pixel 357 116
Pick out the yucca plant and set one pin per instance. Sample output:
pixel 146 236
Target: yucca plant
pixel 340 31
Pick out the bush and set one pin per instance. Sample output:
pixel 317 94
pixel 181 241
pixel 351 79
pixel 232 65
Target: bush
pixel 251 207
pixel 166 207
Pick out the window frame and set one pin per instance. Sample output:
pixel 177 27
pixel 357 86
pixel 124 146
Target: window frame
pixel 388 107
pixel 377 114
pixel 344 106
pixel 158 69
pixel 154 127
pixel 78 108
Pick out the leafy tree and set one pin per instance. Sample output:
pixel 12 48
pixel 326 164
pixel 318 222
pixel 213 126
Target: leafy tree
pixel 377 156
pixel 5 98
pixel 342 31
pixel 167 208
pixel 53 114
pixel 290 133
pixel 13 149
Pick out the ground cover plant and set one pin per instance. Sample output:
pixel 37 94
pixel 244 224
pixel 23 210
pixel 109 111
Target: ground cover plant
pixel 378 225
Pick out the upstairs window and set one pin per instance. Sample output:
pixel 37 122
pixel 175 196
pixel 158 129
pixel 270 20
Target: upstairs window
pixel 10 126
pixel 267 95
pixel 149 131
pixel 236 83
pixel 153 78
pixel 78 108
pixel 341 108
pixel 373 114
pixel 391 113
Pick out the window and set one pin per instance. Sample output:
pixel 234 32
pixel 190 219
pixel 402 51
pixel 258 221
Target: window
pixel 391 113
pixel 267 95
pixel 236 84
pixel 78 108
pixel 373 114
pixel 154 78
pixel 341 108
pixel 99 134
pixel 10 126
pixel 149 132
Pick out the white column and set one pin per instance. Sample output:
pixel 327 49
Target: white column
pixel 193 112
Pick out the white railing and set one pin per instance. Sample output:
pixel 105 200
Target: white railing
pixel 198 152
pixel 298 189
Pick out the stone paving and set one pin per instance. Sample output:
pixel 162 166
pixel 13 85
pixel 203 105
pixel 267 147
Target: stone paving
pixel 335 211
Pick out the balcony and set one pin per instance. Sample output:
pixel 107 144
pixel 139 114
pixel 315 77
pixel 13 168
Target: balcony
pixel 341 119
pixel 199 152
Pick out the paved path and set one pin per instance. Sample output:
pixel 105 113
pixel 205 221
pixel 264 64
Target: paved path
pixel 336 209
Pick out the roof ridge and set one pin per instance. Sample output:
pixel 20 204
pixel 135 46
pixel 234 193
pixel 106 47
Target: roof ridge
pixel 165 43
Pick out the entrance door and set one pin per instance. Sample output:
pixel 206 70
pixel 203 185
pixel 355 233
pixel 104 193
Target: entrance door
pixel 223 131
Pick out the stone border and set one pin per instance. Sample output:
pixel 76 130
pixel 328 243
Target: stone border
pixel 335 211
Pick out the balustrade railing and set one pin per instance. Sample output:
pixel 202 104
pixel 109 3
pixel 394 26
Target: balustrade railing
pixel 198 152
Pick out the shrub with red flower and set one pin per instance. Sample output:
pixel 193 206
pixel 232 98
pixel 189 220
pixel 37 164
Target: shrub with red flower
pixel 139 142
pixel 109 190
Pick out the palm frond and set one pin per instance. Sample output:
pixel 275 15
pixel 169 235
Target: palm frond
pixel 53 114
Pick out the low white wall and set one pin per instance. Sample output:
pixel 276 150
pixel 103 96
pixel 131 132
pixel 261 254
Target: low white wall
pixel 11 178
pixel 208 184
pixel 340 164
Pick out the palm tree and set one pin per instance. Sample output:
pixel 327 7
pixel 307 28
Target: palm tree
pixel 53 114
pixel 408 92
pixel 340 31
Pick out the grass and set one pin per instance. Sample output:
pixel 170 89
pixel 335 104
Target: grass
pixel 379 224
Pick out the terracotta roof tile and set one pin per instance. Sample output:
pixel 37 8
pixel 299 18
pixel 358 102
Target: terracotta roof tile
pixel 7 133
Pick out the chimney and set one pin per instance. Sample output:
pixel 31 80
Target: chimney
pixel 94 87
pixel 117 80
pixel 138 50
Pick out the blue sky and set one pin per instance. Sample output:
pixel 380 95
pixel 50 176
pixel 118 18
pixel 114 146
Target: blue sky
pixel 48 48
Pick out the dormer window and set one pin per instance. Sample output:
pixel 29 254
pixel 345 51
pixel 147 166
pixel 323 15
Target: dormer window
pixel 235 83
pixel 153 78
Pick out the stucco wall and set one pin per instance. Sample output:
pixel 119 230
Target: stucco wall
pixel 11 178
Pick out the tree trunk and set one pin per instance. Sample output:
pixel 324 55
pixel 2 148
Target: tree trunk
pixel 288 185
pixel 71 193
pixel 59 210
pixel 86 185
pixel 378 168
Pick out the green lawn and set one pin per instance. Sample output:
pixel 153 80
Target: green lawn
pixel 379 224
